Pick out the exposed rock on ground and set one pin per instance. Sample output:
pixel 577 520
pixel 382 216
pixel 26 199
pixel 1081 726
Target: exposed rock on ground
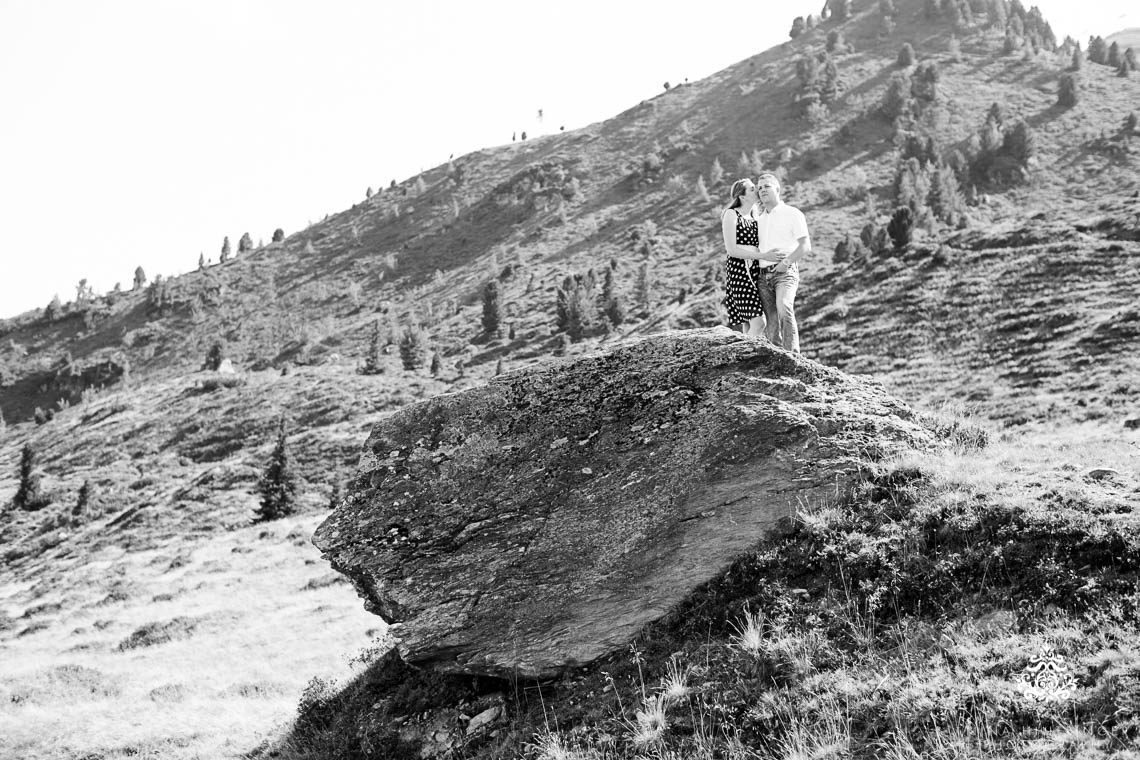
pixel 536 523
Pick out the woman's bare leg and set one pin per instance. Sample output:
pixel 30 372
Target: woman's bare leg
pixel 756 326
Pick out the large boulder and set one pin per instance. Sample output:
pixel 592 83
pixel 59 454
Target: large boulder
pixel 536 523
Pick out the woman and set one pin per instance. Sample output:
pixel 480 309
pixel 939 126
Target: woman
pixel 742 268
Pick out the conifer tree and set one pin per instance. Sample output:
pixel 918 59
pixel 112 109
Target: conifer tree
pixel 612 305
pixel 716 173
pixel 413 347
pixel 201 262
pixel 1113 58
pixel 1020 143
pixel 372 365
pixel 492 311
pixel 1130 123
pixel 1067 91
pixel 1098 51
pixel 140 278
pixel 278 235
pixel 28 495
pixel 277 485
pixel 245 244
pixel 54 309
pixel 214 357
pixel 1078 59
pixel 82 500
pixel 436 363
pixel 225 254
pixel 798 27
pixel 901 227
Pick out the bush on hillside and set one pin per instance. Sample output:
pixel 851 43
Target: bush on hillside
pixel 214 357
pixel 576 307
pixel 278 235
pixel 798 27
pixel 372 364
pixel 224 256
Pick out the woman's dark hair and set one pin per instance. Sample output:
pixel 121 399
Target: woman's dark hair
pixel 739 188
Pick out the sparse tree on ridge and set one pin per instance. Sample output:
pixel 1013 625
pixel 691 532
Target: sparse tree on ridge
pixel 797 27
pixel 140 278
pixel 278 235
pixel 1113 58
pixel 225 255
pixel 1098 51
pixel 82 500
pixel 201 262
pixel 245 244
pixel 277 485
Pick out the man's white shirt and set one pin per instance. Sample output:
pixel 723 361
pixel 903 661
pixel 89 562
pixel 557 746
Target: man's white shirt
pixel 781 228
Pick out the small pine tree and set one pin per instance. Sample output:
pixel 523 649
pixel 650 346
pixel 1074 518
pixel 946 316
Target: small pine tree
pixel 1078 59
pixel 798 27
pixel 413 347
pixel 1130 123
pixel 28 494
pixel 372 365
pixel 906 56
pixel 702 190
pixel 82 500
pixel 214 357
pixel 1113 58
pixel 225 254
pixel 901 227
pixel 278 235
pixel 245 244
pixel 835 41
pixel 1098 51
pixel 436 363
pixel 1020 143
pixel 1067 91
pixel 140 278
pixel 54 309
pixel 277 485
pixel 499 366
pixel 612 305
pixel 842 252
pixel 201 262
pixel 716 173
pixel 492 311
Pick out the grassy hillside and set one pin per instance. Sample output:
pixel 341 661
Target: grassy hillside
pixel 1024 316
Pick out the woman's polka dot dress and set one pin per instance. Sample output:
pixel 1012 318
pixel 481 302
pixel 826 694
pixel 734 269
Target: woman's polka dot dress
pixel 741 298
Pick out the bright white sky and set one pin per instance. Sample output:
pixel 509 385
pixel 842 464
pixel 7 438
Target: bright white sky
pixel 144 131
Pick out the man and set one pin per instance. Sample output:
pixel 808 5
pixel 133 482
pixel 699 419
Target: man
pixel 782 229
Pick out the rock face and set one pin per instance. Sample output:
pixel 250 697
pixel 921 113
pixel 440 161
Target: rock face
pixel 536 523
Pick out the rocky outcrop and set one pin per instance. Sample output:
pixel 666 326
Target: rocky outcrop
pixel 536 523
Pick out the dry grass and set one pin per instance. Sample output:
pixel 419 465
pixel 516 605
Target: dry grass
pixel 231 680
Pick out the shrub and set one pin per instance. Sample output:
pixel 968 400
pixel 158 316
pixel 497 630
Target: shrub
pixel 897 99
pixel 83 500
pixel 277 485
pixel 140 278
pixel 797 27
pixel 245 244
pixel 1130 123
pixel 225 254
pixel 278 235
pixel 436 363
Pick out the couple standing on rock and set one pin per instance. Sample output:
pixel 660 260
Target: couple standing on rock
pixel 764 238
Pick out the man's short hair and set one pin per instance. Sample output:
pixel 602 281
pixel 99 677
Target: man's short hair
pixel 773 177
